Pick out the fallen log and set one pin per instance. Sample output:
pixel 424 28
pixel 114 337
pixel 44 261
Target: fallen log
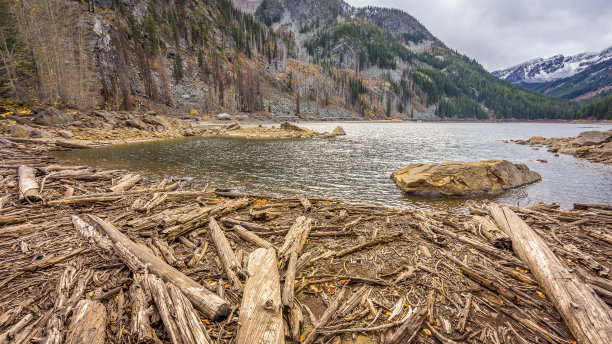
pixel 203 299
pixel 126 183
pixel 141 316
pixel 251 237
pixel 248 225
pixel 226 254
pixel 586 206
pixel 298 233
pixel 261 315
pixel 406 333
pixel 203 217
pixel 325 318
pixel 586 315
pixel 88 323
pixel 28 186
pixel 493 234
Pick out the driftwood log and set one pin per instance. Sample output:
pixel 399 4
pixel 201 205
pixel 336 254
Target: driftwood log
pixel 88 323
pixel 226 254
pixel 28 186
pixel 261 315
pixel 586 315
pixel 203 299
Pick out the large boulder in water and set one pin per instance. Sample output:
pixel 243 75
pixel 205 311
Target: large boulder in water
pixel 592 138
pixel 459 178
pixel 339 131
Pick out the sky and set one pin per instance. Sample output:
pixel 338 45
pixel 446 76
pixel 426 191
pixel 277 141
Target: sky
pixel 504 33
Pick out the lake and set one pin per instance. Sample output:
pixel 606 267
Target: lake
pixel 355 168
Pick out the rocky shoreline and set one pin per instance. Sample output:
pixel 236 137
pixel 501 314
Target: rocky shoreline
pixel 149 261
pixel 591 145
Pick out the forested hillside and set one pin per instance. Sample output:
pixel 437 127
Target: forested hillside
pixel 601 108
pixel 205 56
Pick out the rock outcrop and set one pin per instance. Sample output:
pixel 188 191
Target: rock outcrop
pixel 339 131
pixel 591 145
pixel 592 138
pixel 458 178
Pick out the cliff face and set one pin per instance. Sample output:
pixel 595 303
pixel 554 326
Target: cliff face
pixel 307 59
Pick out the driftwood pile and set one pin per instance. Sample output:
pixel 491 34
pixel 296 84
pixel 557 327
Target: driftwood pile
pixel 111 257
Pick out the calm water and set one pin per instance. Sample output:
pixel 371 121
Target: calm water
pixel 356 168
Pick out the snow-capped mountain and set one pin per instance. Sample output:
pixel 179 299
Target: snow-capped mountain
pixel 553 68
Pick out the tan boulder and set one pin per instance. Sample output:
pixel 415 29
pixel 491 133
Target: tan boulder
pixel 592 138
pixel 458 178
pixel 339 131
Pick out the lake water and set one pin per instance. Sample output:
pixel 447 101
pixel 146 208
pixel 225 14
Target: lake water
pixel 355 168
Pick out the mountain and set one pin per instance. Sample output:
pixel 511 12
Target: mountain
pixel 573 77
pixel 273 59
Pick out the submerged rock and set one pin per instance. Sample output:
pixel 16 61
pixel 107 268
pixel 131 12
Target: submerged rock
pixel 339 131
pixel 458 178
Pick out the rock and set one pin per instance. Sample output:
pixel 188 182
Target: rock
pixel 135 123
pixel 339 131
pixel 20 130
pixel 233 126
pixel 458 178
pixel 536 140
pixel 67 134
pixel 542 161
pixel 52 116
pixel 156 120
pixel 592 138
pixel 224 117
pixel 290 127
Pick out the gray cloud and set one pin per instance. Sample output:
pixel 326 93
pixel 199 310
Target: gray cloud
pixel 503 33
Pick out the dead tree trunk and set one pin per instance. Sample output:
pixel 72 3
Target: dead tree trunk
pixel 587 316
pixel 28 186
pixel 207 302
pixel 261 315
pixel 226 254
pixel 88 323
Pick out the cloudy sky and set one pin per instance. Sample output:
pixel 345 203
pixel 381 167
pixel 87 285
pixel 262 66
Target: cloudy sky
pixel 503 33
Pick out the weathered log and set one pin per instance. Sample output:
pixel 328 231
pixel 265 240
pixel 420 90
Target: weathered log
pixel 248 225
pixel 261 316
pixel 493 234
pixel 198 254
pixel 326 317
pixel 406 333
pixel 88 323
pixel 28 186
pixel 296 322
pixel 587 316
pixel 231 266
pixel 158 290
pixel 289 286
pixel 126 182
pixel 251 237
pixel 141 316
pixel 144 206
pixel 13 330
pixel 207 302
pixel 201 218
pixel 586 206
pixel 168 254
pixel 298 233
pixel 189 324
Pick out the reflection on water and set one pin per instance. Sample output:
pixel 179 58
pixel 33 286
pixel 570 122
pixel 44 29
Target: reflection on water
pixel 356 168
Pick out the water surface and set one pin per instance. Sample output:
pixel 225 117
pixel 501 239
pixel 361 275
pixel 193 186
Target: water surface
pixel 356 168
